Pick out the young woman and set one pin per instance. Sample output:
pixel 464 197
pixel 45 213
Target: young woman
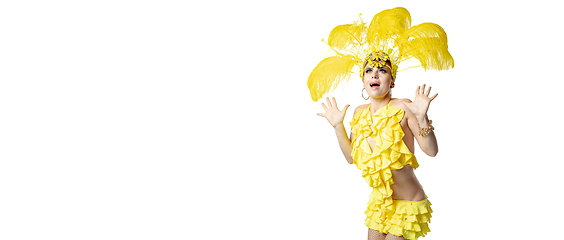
pixel 404 186
pixel 383 133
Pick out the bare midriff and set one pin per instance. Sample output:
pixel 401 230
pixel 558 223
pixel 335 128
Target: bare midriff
pixel 406 186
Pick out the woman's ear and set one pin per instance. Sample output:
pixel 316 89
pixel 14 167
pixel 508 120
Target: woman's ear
pixel 393 84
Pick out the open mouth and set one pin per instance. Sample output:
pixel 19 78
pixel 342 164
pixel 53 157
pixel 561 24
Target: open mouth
pixel 374 85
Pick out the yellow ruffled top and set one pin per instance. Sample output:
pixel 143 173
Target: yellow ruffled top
pixel 389 153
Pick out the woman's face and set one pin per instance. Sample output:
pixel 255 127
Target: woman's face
pixel 377 81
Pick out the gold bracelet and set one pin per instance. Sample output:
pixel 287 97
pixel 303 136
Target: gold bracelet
pixel 425 131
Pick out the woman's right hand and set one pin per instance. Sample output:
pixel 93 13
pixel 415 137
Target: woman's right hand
pixel 332 113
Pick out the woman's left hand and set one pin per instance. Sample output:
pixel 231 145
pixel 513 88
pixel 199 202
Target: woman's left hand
pixel 421 103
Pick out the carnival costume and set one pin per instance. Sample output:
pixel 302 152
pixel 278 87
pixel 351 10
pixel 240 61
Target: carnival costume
pixel 388 41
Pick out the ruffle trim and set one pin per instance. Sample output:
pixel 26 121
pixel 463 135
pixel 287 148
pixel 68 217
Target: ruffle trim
pixel 408 219
pixel 389 153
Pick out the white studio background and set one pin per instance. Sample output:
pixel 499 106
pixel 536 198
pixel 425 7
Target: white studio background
pixel 192 120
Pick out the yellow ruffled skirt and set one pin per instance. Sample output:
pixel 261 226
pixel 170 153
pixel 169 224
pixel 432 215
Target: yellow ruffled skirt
pixel 408 219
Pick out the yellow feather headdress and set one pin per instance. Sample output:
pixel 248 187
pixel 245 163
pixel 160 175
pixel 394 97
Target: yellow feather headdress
pixel 388 39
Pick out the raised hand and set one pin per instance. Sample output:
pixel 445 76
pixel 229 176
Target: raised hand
pixel 421 103
pixel 332 113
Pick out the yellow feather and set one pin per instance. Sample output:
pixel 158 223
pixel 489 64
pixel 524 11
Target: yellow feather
pixel 342 36
pixel 328 74
pixel 389 31
pixel 388 24
pixel 427 42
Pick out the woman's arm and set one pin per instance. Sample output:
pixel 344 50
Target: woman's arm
pixel 344 142
pixel 418 118
pixel 335 118
pixel 427 143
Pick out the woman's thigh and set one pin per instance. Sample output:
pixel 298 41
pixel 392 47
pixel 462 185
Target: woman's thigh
pixel 393 237
pixel 375 235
